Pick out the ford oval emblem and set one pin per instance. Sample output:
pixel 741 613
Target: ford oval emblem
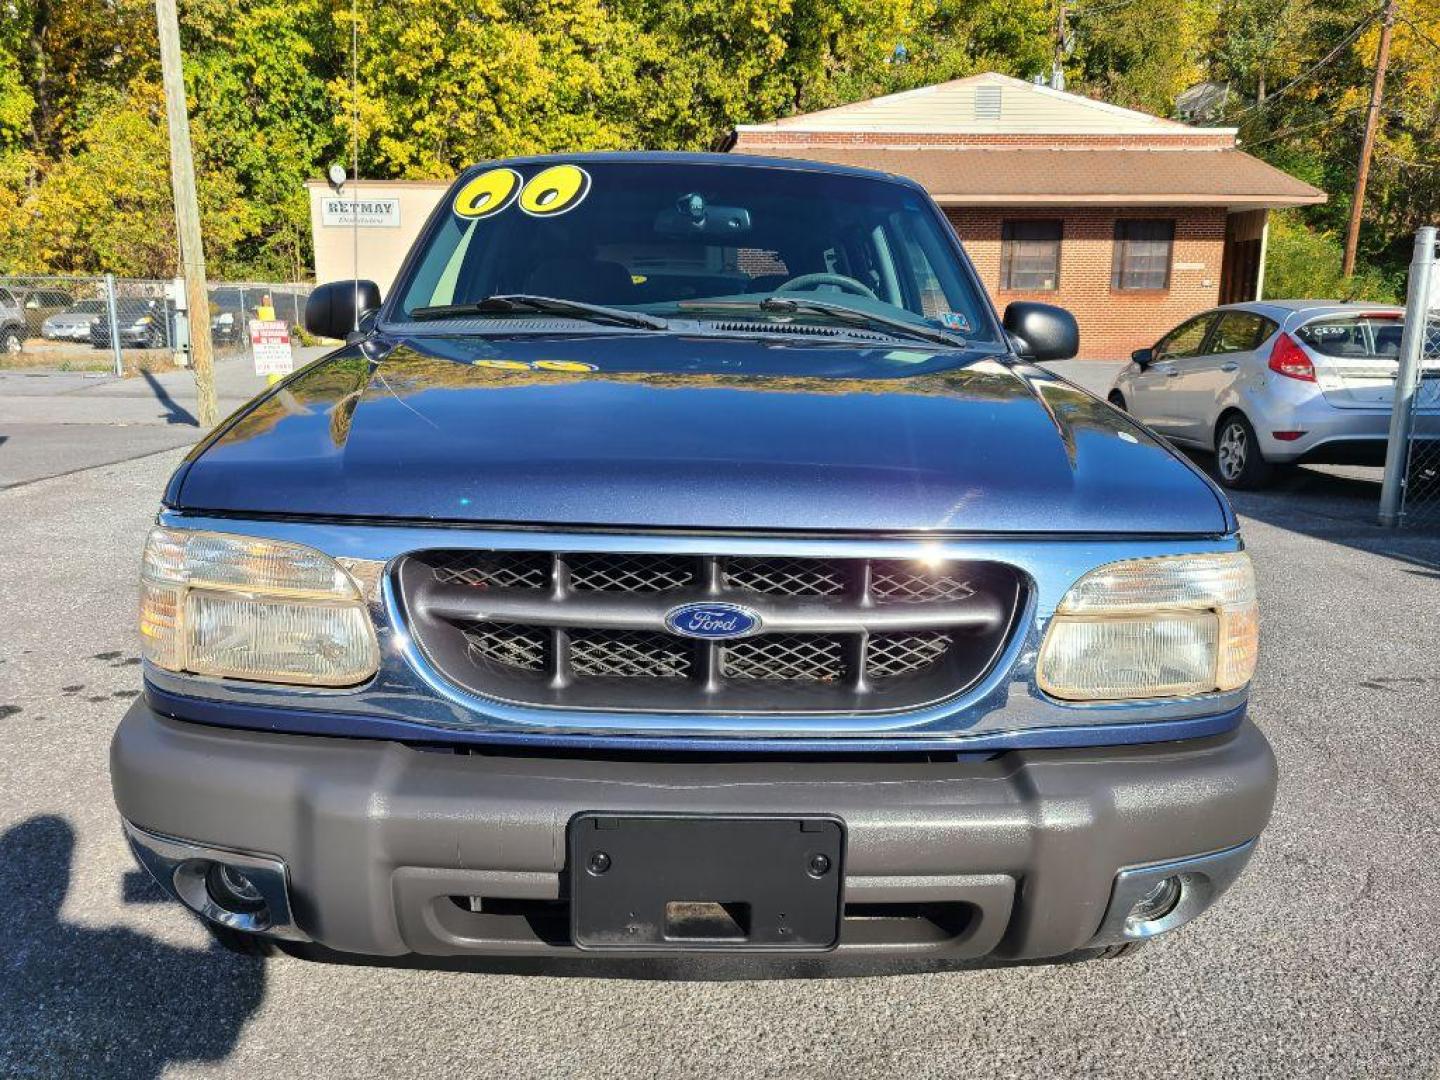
pixel 714 622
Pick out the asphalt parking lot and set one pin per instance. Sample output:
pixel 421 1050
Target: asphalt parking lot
pixel 1324 960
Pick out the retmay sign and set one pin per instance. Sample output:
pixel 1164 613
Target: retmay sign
pixel 364 213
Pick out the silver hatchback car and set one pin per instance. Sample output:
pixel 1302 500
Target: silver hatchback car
pixel 1275 383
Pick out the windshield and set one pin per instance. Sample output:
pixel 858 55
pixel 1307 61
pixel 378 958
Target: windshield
pixel 669 238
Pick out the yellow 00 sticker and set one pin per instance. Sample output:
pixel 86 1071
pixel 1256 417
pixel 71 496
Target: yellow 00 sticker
pixel 489 193
pixel 555 190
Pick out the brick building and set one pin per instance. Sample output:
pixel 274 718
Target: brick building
pixel 1131 221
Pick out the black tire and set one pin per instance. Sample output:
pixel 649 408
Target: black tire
pixel 1118 400
pixel 10 341
pixel 238 942
pixel 1239 463
pixel 1115 952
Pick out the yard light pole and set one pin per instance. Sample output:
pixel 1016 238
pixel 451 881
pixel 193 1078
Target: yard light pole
pixel 187 211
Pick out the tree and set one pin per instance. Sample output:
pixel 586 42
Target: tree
pixel 107 206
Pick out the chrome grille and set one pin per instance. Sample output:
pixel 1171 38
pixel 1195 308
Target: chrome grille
pixel 813 657
pixel 589 630
pixel 906 583
pixel 629 655
pixel 493 570
pixel 889 656
pixel 631 573
pixel 513 646
pixel 786 577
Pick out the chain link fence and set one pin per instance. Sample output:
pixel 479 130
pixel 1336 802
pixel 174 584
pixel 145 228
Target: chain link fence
pixel 1411 495
pixel 118 325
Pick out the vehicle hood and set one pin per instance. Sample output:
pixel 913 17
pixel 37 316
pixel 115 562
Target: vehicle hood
pixel 657 430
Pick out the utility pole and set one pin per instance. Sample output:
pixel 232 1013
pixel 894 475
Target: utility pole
pixel 1057 62
pixel 187 211
pixel 1367 145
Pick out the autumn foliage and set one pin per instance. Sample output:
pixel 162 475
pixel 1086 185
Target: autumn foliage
pixel 84 188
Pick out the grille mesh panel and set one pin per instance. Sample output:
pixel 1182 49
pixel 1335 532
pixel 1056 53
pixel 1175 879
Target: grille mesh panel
pixel 807 657
pixel 786 577
pixel 493 569
pixel 907 583
pixel 508 645
pixel 888 656
pixel 631 573
pixel 629 654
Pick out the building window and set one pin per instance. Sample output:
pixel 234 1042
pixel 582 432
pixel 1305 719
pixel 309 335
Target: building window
pixel 1142 254
pixel 1030 255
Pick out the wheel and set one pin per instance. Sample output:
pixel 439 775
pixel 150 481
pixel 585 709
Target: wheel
pixel 1117 399
pixel 1238 459
pixel 239 942
pixel 10 341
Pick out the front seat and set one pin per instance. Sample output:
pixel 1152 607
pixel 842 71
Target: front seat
pixel 593 281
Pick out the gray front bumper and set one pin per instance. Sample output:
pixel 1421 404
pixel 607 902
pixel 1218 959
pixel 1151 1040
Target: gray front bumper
pixel 377 837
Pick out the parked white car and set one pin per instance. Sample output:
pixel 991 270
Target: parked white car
pixel 74 323
pixel 1275 383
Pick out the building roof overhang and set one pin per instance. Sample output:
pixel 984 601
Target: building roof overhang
pixel 984 176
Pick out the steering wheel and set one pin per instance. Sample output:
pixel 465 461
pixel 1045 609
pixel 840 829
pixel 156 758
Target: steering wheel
pixel 807 282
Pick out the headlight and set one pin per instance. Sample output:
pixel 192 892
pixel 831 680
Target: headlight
pixel 1166 627
pixel 245 608
pixel 144 320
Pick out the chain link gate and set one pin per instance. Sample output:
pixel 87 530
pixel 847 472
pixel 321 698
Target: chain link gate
pixel 1411 493
pixel 102 323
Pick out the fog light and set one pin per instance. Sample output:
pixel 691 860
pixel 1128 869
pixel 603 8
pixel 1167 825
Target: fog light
pixel 1158 902
pixel 233 891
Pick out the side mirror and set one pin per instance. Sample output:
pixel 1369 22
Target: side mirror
pixel 1044 332
pixel 331 311
pixel 1143 357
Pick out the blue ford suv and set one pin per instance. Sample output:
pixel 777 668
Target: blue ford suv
pixel 686 557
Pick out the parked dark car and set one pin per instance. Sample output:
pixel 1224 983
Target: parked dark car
pixel 143 324
pixel 687 558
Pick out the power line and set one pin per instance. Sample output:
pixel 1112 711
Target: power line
pixel 1315 67
pixel 1080 13
pixel 1329 121
pixel 1419 32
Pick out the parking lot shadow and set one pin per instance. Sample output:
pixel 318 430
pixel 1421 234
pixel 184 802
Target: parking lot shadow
pixel 1339 504
pixel 81 1001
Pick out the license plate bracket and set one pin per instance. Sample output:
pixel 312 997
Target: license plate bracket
pixel 676 882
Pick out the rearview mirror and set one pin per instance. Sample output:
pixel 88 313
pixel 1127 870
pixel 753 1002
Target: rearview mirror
pixel 1143 357
pixel 334 309
pixel 1042 331
pixel 692 216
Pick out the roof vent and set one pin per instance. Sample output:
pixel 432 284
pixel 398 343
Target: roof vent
pixel 987 103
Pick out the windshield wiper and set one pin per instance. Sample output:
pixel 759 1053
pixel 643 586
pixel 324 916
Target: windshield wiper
pixel 789 305
pixel 505 303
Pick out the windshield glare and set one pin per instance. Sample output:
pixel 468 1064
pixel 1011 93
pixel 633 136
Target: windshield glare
pixel 667 238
